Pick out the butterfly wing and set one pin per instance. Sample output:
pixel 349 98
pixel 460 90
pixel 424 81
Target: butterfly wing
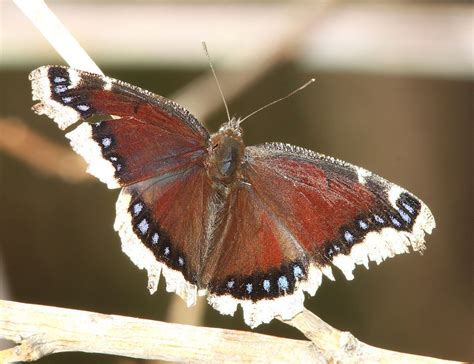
pixel 161 222
pixel 299 213
pixel 155 149
pixel 258 263
pixel 152 135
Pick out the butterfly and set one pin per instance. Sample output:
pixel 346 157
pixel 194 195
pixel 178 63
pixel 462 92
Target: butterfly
pixel 256 226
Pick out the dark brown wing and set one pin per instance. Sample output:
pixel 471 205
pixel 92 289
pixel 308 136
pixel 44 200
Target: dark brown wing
pixel 155 150
pixel 152 136
pixel 297 213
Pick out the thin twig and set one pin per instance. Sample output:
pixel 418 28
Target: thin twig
pixel 40 153
pixel 236 81
pixel 342 347
pixel 57 34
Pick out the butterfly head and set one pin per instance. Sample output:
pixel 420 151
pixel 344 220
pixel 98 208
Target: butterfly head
pixel 226 150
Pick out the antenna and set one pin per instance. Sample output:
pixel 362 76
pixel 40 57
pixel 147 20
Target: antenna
pixel 278 100
pixel 204 46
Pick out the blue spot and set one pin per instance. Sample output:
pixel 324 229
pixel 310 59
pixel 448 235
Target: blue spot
pixel 248 288
pixel 143 226
pixel 106 142
pixel 230 284
pixel 404 216
pixel 349 237
pixel 66 99
pixel 410 209
pixel 83 107
pixel 363 225
pixel 395 222
pixel 283 283
pixel 266 285
pixel 155 238
pixel 167 251
pixel 137 208
pixel 329 251
pixel 297 271
pixel 379 219
pixel 180 261
pixel 60 89
pixel 58 79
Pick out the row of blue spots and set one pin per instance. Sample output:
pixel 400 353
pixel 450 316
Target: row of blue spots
pixel 59 89
pixel 282 282
pixel 143 226
pixel 398 219
pixel 105 143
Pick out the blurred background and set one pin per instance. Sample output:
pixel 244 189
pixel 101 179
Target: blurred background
pixel 393 94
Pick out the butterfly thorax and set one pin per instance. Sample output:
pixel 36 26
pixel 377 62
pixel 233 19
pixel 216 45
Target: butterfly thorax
pixel 226 150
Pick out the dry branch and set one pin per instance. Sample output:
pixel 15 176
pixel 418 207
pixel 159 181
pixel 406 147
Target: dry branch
pixel 43 330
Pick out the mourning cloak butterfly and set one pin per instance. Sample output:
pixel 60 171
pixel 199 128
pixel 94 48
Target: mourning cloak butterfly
pixel 255 226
